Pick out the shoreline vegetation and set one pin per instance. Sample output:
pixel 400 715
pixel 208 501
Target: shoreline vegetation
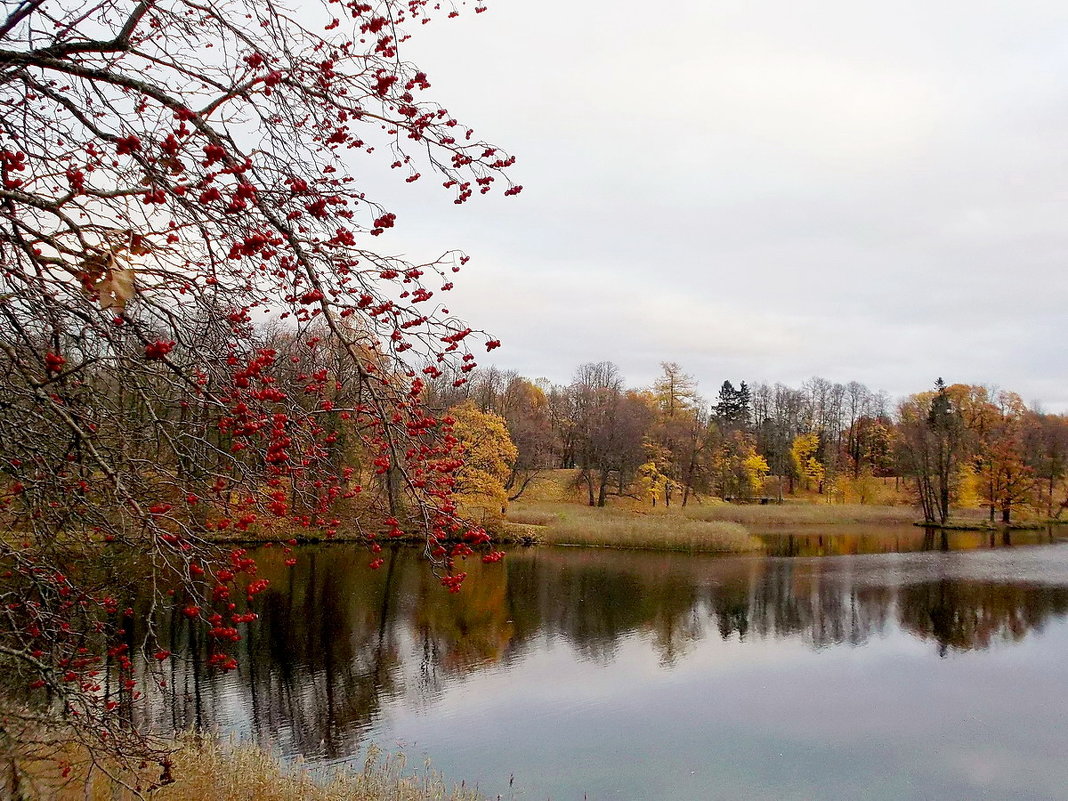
pixel 697 531
pixel 722 528
pixel 613 527
pixel 553 512
pixel 997 525
pixel 206 769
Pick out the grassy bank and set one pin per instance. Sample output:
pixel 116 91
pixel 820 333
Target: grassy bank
pixel 612 527
pixel 554 510
pixel 802 514
pixel 206 771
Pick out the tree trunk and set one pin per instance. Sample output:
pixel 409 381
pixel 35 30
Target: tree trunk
pixel 588 478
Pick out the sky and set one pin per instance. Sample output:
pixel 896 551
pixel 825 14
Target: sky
pixel 762 190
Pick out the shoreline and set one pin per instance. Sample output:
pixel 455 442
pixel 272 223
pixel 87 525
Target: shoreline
pixel 578 526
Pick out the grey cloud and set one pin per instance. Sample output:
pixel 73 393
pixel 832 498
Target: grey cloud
pixel 765 190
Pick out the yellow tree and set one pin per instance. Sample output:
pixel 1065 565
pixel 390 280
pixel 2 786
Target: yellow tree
pixel 651 482
pixel 755 469
pixel 678 429
pixel 803 455
pixel 740 470
pixel 675 391
pixel 488 454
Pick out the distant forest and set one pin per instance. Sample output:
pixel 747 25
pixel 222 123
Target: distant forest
pixel 954 445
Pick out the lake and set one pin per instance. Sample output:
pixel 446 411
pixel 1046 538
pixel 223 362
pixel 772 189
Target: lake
pixel 922 673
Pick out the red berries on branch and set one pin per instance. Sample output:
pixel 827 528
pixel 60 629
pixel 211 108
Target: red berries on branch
pixel 159 348
pixel 54 362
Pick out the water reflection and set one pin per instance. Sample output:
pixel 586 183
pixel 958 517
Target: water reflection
pixel 866 539
pixel 337 641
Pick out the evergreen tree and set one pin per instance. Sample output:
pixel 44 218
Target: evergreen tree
pixel 733 407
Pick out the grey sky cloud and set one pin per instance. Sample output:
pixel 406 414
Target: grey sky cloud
pixel 764 190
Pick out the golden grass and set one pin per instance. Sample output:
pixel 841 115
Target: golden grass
pixel 575 524
pixel 531 515
pixel 801 514
pixel 207 771
pixel 555 490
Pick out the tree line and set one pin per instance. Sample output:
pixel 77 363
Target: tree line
pixel 953 445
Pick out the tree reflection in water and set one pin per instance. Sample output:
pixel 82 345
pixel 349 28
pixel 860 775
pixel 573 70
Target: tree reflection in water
pixel 336 640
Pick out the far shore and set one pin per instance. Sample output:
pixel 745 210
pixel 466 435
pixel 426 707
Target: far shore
pixel 715 527
pixel 718 527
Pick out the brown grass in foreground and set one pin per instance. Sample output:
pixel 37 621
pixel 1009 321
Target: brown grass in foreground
pixel 207 771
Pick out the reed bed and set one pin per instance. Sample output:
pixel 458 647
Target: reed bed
pixel 801 514
pixel 609 527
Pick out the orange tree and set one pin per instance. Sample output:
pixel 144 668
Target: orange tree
pixel 172 174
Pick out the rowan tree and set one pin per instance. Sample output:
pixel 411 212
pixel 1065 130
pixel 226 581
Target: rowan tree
pixel 172 174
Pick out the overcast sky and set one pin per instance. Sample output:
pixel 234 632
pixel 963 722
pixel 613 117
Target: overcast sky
pixel 763 190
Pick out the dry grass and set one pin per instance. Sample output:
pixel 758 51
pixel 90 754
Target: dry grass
pixel 575 524
pixel 554 493
pixel 206 771
pixel 802 514
pixel 554 486
pixel 533 515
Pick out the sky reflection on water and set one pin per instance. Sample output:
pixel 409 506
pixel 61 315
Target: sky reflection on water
pixel 625 675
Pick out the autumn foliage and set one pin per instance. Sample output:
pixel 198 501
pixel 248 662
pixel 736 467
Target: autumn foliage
pixel 956 449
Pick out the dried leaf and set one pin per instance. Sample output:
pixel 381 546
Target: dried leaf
pixel 139 245
pixel 116 287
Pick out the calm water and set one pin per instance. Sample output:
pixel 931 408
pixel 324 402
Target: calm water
pixel 625 675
